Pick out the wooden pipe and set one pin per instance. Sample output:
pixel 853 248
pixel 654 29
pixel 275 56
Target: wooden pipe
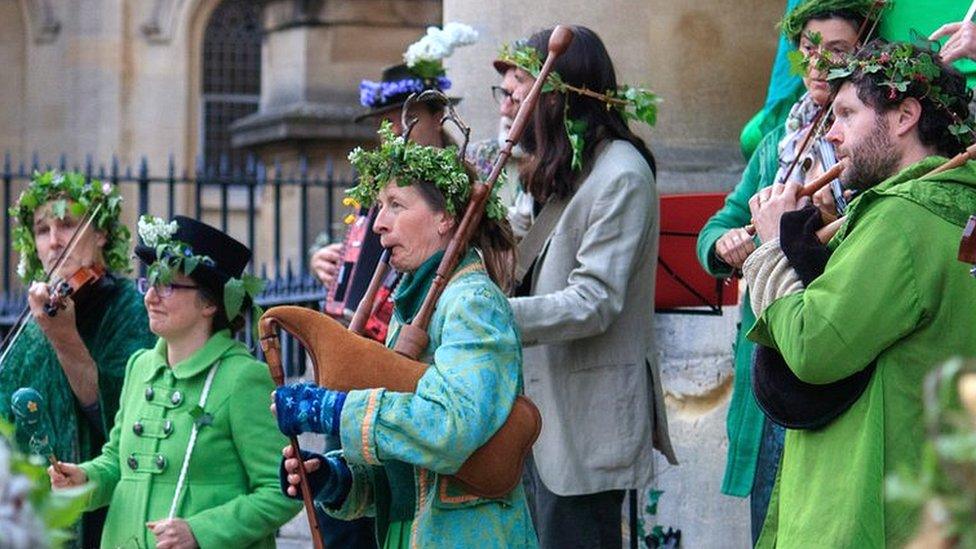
pixel 413 340
pixel 812 187
pixel 271 345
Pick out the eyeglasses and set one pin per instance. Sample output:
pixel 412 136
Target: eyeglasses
pixel 162 290
pixel 501 94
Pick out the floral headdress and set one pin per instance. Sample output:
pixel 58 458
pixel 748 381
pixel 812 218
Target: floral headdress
pixel 909 71
pixel 633 103
pixel 425 63
pixel 408 162
pixel 174 256
pixel 70 194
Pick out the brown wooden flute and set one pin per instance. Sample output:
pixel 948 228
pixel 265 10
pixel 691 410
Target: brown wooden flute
pixel 413 339
pixel 810 188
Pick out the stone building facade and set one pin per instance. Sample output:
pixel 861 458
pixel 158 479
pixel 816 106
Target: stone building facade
pixel 129 79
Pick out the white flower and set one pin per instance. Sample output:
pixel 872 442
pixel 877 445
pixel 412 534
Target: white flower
pixel 154 229
pixel 460 34
pixel 22 266
pixel 440 43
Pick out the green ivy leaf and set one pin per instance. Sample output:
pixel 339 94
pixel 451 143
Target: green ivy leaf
pixel 233 297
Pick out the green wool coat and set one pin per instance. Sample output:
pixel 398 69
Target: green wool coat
pixel 231 497
pixel 893 292
pixel 744 423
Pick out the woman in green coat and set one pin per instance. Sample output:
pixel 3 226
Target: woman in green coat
pixel 191 459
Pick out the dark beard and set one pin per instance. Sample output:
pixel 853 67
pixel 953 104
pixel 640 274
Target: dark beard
pixel 872 161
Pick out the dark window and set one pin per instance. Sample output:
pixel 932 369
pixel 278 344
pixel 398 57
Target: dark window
pixel 231 77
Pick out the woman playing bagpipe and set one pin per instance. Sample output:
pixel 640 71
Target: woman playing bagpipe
pixel 190 461
pixel 399 449
pixel 82 323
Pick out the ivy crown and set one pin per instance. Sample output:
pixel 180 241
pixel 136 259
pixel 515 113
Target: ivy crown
pixel 792 25
pixel 899 70
pixel 69 193
pixel 631 102
pixel 407 162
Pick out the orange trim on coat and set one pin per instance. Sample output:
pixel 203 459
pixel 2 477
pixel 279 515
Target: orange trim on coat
pixel 368 426
pixel 442 494
pixel 421 504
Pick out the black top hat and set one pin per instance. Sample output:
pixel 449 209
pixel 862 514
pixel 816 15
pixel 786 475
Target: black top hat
pixel 229 256
pixel 391 92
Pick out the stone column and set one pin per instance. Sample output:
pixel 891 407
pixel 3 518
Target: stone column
pixel 315 53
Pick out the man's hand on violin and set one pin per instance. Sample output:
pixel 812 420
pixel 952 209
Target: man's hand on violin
pixel 57 327
pixel 734 247
pixel 769 205
pixel 961 43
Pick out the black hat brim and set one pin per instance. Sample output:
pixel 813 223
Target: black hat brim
pixel 792 403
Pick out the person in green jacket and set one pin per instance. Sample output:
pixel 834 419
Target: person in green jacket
pixel 891 296
pixel 819 29
pixel 399 450
pixel 76 358
pixel 191 459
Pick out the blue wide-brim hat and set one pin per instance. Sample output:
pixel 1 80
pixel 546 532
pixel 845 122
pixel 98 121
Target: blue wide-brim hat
pixel 229 256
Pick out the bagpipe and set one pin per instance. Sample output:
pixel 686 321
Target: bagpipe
pixel 346 360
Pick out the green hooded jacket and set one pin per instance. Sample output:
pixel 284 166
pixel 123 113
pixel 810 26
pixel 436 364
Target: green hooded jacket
pixel 894 292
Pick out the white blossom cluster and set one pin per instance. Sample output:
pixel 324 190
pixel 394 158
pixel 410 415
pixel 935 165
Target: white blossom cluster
pixel 152 230
pixel 440 43
pixel 20 527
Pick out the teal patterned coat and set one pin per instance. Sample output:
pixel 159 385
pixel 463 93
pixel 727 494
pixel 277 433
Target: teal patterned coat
pixel 466 395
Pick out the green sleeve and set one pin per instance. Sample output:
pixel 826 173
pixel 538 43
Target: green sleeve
pixel 103 471
pixel 866 300
pixel 735 213
pixel 361 500
pixel 250 517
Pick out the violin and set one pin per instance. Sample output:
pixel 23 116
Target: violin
pixel 63 288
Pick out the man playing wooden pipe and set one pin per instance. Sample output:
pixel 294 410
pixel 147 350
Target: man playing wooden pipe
pixel 885 308
pixel 75 358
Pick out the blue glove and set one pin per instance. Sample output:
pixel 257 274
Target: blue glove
pixel 330 484
pixel 305 407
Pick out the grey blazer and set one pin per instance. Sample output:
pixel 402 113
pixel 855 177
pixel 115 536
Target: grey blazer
pixel 588 328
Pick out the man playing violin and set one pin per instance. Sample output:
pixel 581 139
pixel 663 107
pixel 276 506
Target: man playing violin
pixel 84 320
pixel 883 307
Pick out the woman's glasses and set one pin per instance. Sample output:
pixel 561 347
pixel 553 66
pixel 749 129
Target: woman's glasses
pixel 501 94
pixel 162 290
